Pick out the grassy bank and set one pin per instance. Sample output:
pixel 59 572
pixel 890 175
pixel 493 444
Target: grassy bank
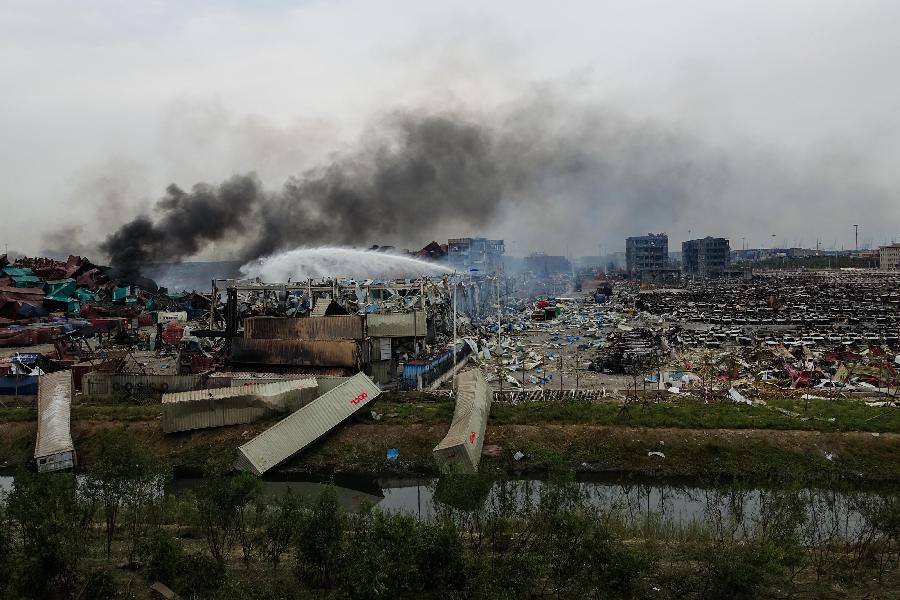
pixel 840 438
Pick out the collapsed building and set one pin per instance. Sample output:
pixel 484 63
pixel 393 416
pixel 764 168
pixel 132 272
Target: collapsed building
pixel 386 329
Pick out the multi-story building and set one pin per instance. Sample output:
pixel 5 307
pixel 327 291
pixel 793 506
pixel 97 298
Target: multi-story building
pixel 544 264
pixel 706 257
pixel 646 253
pixel 889 257
pixel 466 254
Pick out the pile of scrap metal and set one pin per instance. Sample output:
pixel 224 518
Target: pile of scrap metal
pixel 41 298
pixel 631 351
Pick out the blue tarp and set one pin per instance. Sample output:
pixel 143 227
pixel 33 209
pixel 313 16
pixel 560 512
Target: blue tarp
pixel 23 385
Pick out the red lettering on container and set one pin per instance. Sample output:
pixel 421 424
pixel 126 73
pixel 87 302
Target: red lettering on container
pixel 472 437
pixel 359 398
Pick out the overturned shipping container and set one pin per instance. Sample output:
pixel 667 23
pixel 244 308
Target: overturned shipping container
pixel 294 433
pixel 54 450
pixel 201 409
pixel 460 450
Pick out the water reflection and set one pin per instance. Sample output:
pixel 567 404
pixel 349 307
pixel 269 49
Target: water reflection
pixel 737 510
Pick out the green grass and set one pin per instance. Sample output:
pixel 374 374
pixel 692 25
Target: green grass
pixel 816 415
pixel 13 415
pixel 848 415
pixel 121 412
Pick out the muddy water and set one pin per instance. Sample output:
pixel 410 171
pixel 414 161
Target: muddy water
pixel 634 502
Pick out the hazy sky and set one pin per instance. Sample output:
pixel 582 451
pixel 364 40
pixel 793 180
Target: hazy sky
pixel 793 108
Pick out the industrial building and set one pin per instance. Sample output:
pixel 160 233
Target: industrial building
pixel 544 264
pixel 647 253
pixel 466 254
pixel 395 331
pixel 889 258
pixel 705 257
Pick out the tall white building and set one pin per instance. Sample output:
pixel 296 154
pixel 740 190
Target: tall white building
pixel 889 257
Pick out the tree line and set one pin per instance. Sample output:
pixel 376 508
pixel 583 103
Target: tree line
pixel 111 531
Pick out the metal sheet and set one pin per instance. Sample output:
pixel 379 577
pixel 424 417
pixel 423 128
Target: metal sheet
pixel 219 407
pixel 54 437
pixel 381 371
pixel 107 385
pixel 411 324
pixel 460 450
pixel 322 353
pixel 340 327
pixel 294 433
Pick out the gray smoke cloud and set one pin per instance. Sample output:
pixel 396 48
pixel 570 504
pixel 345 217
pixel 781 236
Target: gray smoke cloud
pixel 543 170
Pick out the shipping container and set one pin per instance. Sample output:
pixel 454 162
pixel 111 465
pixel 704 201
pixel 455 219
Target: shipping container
pixel 323 353
pixel 54 450
pixel 411 324
pixel 108 385
pixel 381 371
pixel 341 327
pixel 460 450
pixel 294 433
pixel 201 409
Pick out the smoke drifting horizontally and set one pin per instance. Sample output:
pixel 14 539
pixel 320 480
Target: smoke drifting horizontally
pixel 544 171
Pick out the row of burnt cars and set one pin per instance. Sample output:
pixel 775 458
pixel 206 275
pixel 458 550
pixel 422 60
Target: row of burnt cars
pixel 810 309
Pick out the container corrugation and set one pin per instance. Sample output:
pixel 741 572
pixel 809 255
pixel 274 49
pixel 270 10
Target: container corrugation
pixel 343 327
pixel 100 385
pixel 202 409
pixel 460 450
pixel 294 433
pixel 330 353
pixel 381 371
pixel 54 436
pixel 329 382
pixel 411 324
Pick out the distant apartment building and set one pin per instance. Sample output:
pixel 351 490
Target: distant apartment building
pixel 545 264
pixel 466 254
pixel 706 257
pixel 646 253
pixel 889 257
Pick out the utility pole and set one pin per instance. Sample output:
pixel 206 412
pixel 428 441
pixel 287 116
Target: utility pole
pixel 453 385
pixel 577 363
pixel 560 372
pixel 856 236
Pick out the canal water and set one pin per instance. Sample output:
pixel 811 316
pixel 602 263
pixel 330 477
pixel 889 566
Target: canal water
pixel 635 503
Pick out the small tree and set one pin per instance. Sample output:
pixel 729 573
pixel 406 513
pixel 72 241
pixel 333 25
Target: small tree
pixel 50 521
pixel 122 475
pixel 222 511
pixel 279 521
pixel 321 541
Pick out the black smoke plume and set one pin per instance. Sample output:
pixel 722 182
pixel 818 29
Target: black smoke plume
pixel 544 172
pixel 424 171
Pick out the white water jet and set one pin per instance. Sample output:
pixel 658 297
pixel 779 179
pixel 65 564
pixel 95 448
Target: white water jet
pixel 316 263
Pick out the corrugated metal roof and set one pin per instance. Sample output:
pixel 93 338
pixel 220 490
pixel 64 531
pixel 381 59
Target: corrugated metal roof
pixel 338 327
pixel 294 433
pixel 397 324
pixel 54 414
pixel 460 450
pixel 218 407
